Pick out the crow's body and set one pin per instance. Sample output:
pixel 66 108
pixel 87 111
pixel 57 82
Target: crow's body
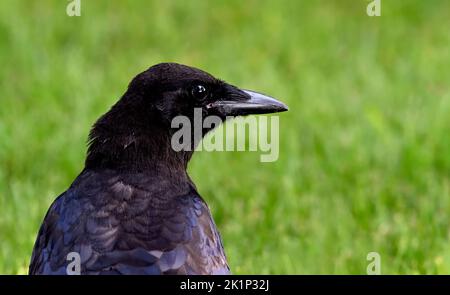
pixel 134 209
pixel 124 224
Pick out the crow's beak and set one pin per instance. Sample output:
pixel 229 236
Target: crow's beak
pixel 252 103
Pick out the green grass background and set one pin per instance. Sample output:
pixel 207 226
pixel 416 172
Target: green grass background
pixel 364 150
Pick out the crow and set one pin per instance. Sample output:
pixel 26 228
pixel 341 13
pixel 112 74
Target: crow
pixel 133 209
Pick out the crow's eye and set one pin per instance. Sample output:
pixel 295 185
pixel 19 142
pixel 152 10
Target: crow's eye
pixel 199 91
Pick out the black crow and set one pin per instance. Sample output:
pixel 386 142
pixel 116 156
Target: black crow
pixel 134 209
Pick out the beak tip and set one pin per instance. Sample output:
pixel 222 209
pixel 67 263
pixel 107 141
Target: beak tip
pixel 279 107
pixel 267 104
pixel 284 108
pixel 254 104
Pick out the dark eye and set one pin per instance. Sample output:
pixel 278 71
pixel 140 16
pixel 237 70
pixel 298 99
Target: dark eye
pixel 199 91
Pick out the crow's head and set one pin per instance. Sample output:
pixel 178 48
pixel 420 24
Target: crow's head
pixel 169 89
pixel 141 120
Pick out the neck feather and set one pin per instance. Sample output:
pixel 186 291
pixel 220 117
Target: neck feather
pixel 127 139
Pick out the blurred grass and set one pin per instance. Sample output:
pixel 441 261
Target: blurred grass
pixel 364 150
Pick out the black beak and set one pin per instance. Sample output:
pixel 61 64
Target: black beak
pixel 252 103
